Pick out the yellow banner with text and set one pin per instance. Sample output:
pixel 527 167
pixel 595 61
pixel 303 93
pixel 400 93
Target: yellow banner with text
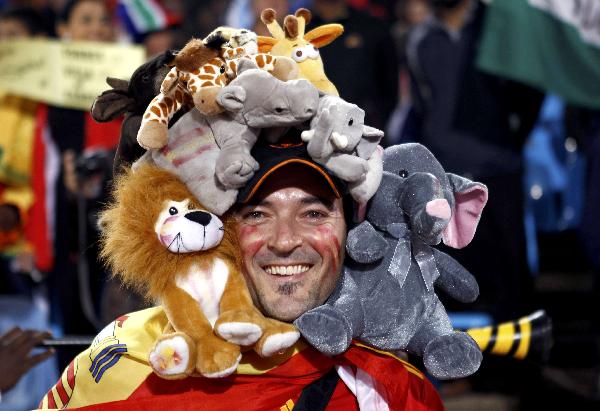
pixel 66 74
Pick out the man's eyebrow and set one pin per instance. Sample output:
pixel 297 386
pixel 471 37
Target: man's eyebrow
pixel 309 200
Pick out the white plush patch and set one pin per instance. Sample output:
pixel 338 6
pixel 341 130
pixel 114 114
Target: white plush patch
pixel 180 232
pixel 206 287
pixel 279 342
pixel 240 333
pixel 170 357
pixel 226 372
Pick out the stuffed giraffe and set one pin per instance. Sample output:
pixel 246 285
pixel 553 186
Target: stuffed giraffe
pixel 291 41
pixel 198 85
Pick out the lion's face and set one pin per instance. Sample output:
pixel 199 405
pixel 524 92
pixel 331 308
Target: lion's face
pixel 182 228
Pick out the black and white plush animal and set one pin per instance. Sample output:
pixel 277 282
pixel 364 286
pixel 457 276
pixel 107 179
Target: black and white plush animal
pixel 386 297
pixel 131 98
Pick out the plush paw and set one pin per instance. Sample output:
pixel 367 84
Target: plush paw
pixel 205 100
pixel 355 171
pixel 277 343
pixel 237 170
pixel 239 327
pixel 170 357
pixel 218 359
pixel 452 356
pixel 240 333
pixel 152 135
pixel 325 329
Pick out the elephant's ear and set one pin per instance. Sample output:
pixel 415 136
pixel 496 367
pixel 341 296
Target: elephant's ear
pixel 114 102
pixel 244 65
pixel 370 139
pixel 364 244
pixel 231 98
pixel 469 199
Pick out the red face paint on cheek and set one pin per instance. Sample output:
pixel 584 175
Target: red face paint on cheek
pixel 250 240
pixel 328 244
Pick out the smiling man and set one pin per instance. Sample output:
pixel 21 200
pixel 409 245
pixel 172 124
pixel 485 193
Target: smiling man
pixel 291 226
pixel 292 231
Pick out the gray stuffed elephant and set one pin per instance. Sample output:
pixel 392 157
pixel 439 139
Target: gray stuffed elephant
pixel 254 100
pixel 339 140
pixel 386 297
pixel 211 154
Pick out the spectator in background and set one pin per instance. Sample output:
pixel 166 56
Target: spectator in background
pixel 24 247
pixel 16 359
pixel 22 22
pixel 246 13
pixel 201 17
pixel 362 62
pixel 20 250
pixel 476 125
pixel 86 149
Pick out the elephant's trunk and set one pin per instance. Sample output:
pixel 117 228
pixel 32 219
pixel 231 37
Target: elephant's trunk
pixel 428 211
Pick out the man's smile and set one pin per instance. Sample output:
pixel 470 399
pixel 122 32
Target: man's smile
pixel 286 270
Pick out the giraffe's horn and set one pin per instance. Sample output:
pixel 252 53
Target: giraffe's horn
pixel 304 14
pixel 267 16
pixel 290 24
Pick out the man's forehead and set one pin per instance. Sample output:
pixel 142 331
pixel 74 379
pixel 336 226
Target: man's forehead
pixel 296 182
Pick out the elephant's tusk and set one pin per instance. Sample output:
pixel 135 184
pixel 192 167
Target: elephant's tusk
pixel 307 135
pixel 339 140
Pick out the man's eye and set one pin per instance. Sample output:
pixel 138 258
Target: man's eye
pixel 315 214
pixel 253 215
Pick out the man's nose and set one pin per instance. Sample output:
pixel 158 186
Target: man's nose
pixel 285 237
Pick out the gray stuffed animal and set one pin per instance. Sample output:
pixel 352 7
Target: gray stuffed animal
pixel 211 154
pixel 386 297
pixel 255 100
pixel 339 140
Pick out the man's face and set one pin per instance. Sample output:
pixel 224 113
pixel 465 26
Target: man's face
pixel 89 21
pixel 292 239
pixel 12 29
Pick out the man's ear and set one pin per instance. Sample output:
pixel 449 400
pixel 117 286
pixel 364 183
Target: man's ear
pixel 231 98
pixel 265 44
pixel 323 35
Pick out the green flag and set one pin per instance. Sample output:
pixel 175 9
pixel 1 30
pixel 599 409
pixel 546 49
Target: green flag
pixel 553 45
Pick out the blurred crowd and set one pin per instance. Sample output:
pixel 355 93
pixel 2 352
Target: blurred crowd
pixel 410 64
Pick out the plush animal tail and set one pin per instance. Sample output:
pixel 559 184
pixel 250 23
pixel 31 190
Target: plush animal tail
pixel 529 338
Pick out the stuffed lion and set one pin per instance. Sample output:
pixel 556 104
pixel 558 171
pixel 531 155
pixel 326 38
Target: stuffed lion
pixel 161 241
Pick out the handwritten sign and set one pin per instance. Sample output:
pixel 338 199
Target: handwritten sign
pixel 66 74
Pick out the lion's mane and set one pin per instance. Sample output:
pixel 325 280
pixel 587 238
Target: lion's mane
pixel 129 244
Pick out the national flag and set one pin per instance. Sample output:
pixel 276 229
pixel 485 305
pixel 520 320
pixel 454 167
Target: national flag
pixel 144 16
pixel 553 45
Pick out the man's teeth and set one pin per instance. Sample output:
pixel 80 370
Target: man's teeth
pixel 286 269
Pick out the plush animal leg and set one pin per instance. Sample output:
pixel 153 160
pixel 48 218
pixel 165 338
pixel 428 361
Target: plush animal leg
pixel 454 355
pixel 173 356
pixel 235 166
pixel 338 336
pixel 285 69
pixel 240 322
pixel 347 167
pixel 277 337
pixel 152 135
pixel 205 100
pixel 214 357
pixel 446 353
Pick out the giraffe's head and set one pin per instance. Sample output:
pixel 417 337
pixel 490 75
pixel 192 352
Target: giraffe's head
pixel 291 41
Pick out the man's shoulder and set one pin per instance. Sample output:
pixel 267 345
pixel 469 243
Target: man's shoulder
pixel 376 353
pixel 405 386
